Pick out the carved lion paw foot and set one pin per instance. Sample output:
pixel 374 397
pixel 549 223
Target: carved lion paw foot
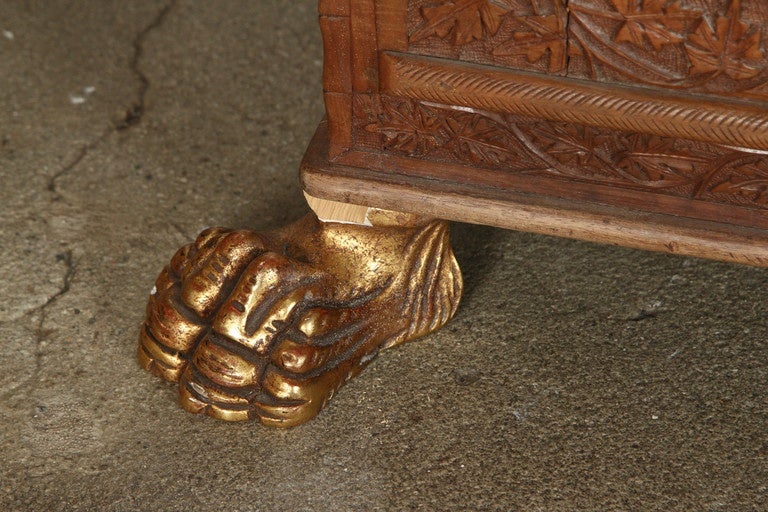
pixel 270 325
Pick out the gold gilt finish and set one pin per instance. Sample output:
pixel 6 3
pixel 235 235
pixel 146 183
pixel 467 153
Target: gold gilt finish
pixel 270 325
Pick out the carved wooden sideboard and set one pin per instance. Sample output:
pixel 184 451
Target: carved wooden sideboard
pixel 636 122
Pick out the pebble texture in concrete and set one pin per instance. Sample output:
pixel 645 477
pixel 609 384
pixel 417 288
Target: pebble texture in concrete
pixel 574 377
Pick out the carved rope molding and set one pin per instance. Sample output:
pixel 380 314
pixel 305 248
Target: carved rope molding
pixel 624 108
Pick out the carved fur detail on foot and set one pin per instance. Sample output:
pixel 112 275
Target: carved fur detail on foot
pixel 270 325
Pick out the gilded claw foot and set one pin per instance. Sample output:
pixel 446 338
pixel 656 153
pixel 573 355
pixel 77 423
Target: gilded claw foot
pixel 270 325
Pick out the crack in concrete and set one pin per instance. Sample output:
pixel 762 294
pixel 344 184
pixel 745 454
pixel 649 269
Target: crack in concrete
pixel 41 333
pixel 70 266
pixel 79 157
pixel 134 114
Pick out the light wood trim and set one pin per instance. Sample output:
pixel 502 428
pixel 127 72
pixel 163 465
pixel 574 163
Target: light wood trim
pixel 633 109
pixel 335 211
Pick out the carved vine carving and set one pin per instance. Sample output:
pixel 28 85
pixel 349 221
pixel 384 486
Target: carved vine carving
pixel 517 144
pixel 710 46
pixel 672 43
pixel 463 21
pixel 652 21
pixel 728 46
pixel 520 33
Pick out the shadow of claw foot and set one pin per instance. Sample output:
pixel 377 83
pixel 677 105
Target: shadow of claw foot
pixel 270 325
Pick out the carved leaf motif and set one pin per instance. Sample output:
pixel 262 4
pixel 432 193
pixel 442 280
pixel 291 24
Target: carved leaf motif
pixel 409 127
pixel 516 144
pixel 730 46
pixel 651 20
pixel 628 159
pixel 546 35
pixel 654 161
pixel 572 144
pixel 464 20
pixel 478 138
pixel 749 180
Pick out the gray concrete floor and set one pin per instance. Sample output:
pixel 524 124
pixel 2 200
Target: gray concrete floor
pixel 574 377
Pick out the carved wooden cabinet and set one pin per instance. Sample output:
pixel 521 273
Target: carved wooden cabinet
pixel 638 122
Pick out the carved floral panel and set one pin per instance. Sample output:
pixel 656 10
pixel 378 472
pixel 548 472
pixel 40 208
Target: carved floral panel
pixel 710 46
pixel 516 144
pixel 521 34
